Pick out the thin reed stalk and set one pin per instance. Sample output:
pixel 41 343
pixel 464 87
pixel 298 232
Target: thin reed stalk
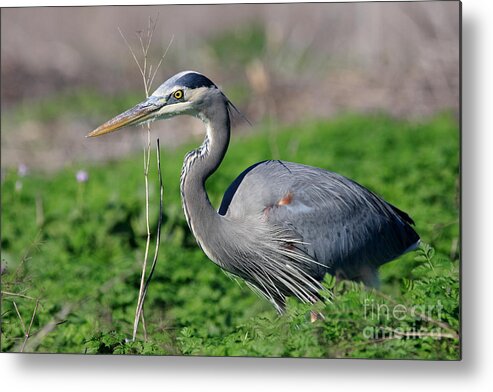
pixel 148 74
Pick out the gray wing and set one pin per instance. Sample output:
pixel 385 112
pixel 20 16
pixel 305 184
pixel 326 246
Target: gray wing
pixel 343 225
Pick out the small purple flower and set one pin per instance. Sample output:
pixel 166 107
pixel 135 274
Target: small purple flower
pixel 22 170
pixel 82 176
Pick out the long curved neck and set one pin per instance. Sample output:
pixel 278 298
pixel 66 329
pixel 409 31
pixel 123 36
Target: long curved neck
pixel 199 165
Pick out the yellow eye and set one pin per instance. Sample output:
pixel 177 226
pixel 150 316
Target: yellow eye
pixel 178 94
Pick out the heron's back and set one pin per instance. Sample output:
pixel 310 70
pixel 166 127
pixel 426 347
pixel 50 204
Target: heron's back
pixel 344 226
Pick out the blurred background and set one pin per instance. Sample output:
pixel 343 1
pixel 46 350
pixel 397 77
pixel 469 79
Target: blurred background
pixel 64 70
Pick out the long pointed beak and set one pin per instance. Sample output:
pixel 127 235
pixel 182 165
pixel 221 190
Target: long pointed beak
pixel 136 115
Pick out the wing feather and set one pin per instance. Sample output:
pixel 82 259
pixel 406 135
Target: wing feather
pixel 342 225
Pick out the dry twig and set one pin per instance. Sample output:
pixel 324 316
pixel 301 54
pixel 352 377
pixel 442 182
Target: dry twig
pixel 27 331
pixel 49 327
pixel 8 293
pixel 148 75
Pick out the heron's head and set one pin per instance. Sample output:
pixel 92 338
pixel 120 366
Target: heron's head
pixel 188 92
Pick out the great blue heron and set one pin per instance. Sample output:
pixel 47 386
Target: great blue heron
pixel 281 226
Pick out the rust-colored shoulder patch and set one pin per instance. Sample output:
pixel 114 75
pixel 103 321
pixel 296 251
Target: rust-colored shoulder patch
pixel 286 200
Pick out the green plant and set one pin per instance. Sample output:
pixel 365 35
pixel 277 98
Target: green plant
pixel 82 264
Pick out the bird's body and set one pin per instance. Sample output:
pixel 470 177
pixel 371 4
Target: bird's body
pixel 281 226
pixel 332 215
